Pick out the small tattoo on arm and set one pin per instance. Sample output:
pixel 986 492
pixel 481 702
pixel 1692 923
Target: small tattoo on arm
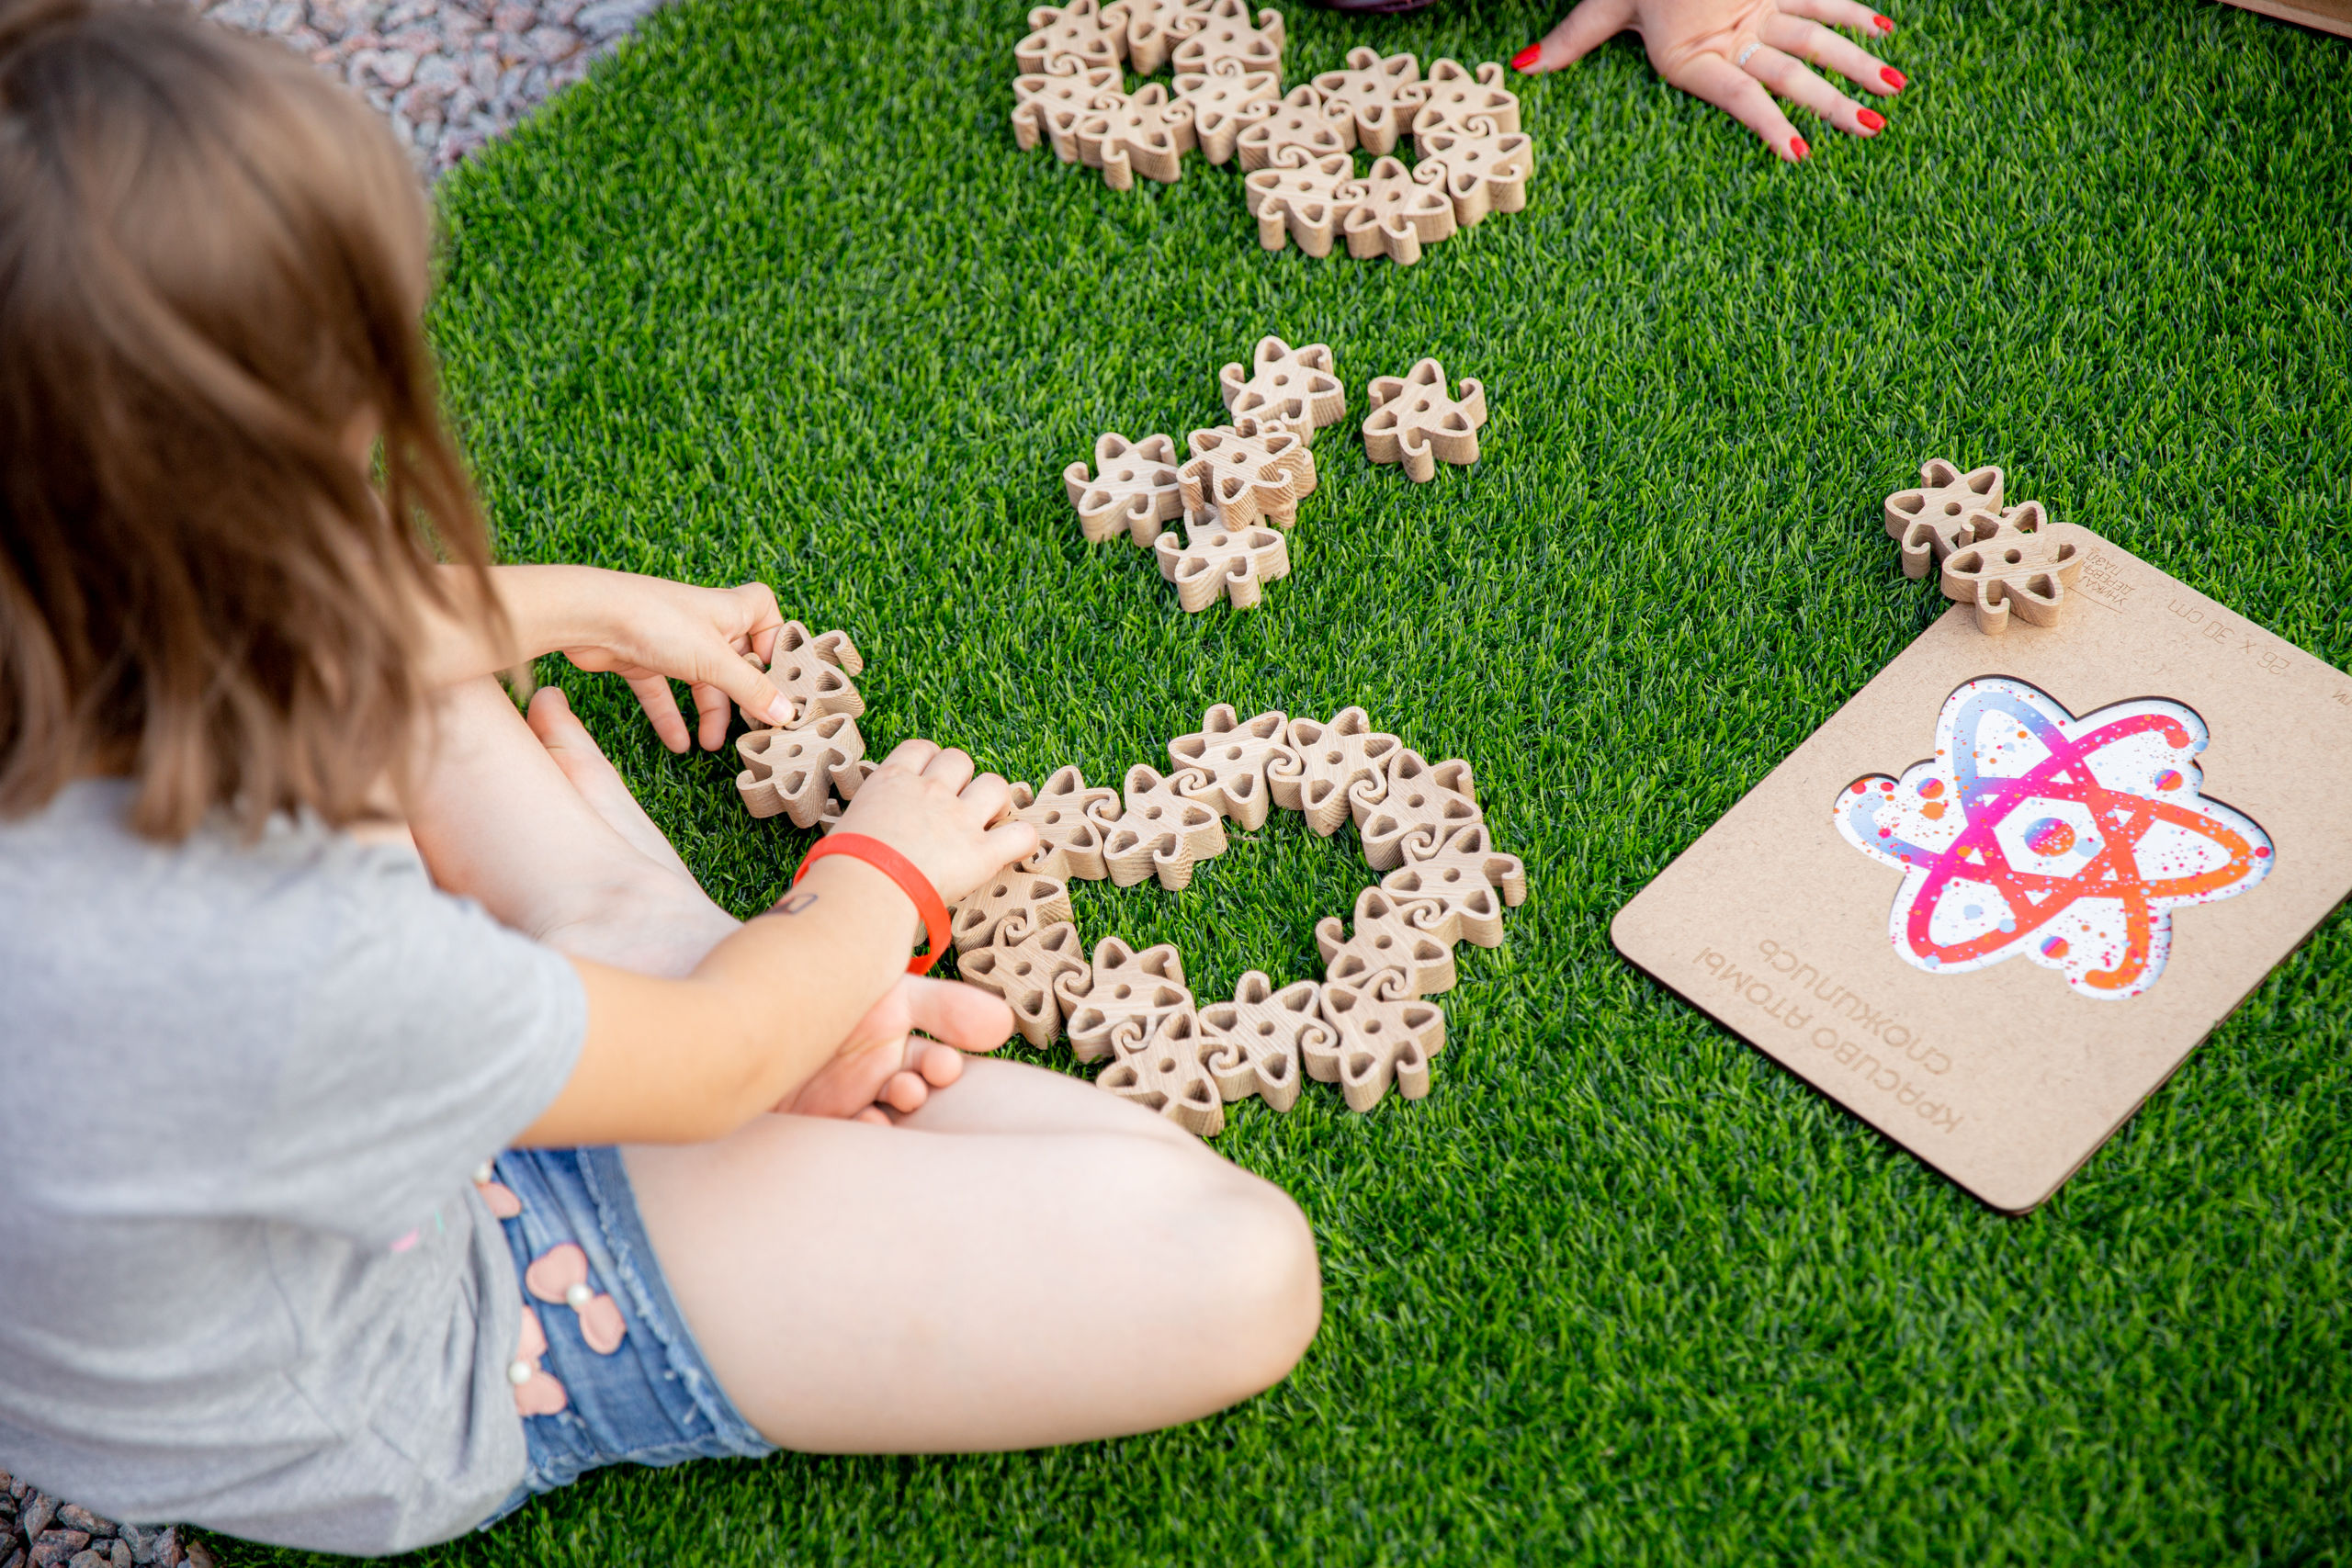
pixel 793 903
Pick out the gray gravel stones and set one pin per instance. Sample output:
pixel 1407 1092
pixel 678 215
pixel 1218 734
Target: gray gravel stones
pixel 451 74
pixel 37 1530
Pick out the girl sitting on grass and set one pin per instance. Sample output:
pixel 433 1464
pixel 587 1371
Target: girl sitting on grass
pixel 264 1264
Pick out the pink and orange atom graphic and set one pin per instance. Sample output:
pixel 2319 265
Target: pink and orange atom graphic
pixel 2067 840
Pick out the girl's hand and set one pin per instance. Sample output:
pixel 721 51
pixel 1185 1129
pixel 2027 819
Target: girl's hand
pixel 885 1063
pixel 651 631
pixel 925 804
pixel 1729 51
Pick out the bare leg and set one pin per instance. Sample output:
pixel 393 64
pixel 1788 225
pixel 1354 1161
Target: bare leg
pixel 875 1289
pixel 501 817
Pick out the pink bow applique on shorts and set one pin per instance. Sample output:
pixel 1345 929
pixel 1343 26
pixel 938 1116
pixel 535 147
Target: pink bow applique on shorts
pixel 536 1392
pixel 561 1275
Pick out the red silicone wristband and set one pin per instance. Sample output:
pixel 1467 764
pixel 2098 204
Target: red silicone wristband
pixel 898 869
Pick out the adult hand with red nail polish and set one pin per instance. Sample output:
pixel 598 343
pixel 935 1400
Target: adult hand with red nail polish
pixel 1737 53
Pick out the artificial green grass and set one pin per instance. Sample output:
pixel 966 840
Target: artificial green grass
pixel 774 296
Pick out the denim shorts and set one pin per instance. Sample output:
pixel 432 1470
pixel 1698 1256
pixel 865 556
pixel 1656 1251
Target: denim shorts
pixel 588 1275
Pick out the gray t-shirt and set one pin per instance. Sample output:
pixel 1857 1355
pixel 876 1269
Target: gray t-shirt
pixel 244 1279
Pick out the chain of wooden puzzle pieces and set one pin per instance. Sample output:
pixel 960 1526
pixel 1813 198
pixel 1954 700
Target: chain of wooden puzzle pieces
pixel 2002 559
pixel 1296 149
pixel 1238 488
pixel 1365 1026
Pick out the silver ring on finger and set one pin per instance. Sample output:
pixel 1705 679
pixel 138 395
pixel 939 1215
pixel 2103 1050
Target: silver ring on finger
pixel 1742 61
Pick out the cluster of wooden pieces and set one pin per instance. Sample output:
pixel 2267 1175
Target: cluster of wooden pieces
pixel 1999 558
pixel 1366 1025
pixel 1296 149
pixel 1238 488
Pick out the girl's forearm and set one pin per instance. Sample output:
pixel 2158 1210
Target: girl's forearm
pixel 548 608
pixel 685 1061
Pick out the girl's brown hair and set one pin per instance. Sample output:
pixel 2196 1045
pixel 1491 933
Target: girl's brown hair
pixel 213 266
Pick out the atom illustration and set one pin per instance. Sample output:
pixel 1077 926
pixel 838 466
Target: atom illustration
pixel 2066 840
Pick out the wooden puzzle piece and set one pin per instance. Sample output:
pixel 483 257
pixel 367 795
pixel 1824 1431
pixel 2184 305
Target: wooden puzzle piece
pixel 1070 818
pixel 1228 757
pixel 1382 1040
pixel 1256 1042
pixel 1156 26
pixel 1133 488
pixel 1416 803
pixel 1303 121
pixel 1218 562
pixel 1160 832
pixel 1302 199
pixel 1225 33
pixel 815 672
pixel 1247 472
pixel 1162 1070
pixel 1095 34
pixel 1143 134
pixel 1299 387
pixel 2024 562
pixel 1031 897
pixel 1046 103
pixel 1121 985
pixel 1456 888
pixel 1224 100
pixel 1414 422
pixel 1386 941
pixel 1937 517
pixel 1452 94
pixel 1396 211
pixel 1381 95
pixel 1325 761
pixel 1485 169
pixel 845 785
pixel 792 770
pixel 1021 966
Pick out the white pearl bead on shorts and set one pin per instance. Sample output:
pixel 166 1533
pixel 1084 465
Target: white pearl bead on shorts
pixel 518 1372
pixel 577 1296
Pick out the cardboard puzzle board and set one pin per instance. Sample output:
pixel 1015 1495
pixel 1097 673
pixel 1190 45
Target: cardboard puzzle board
pixel 1828 921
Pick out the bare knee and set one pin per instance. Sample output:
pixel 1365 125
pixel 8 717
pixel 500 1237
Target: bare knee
pixel 1244 1265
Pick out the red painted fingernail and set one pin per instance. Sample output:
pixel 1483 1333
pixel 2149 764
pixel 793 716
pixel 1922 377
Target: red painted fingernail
pixel 1798 150
pixel 1886 24
pixel 1893 78
pixel 1871 119
pixel 1527 57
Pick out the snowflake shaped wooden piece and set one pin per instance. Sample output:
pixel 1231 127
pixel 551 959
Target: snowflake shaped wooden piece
pixel 1416 804
pixel 1096 34
pixel 1133 488
pixel 1325 761
pixel 1246 472
pixel 1156 26
pixel 1225 33
pixel 1121 985
pixel 1295 387
pixel 793 772
pixel 1224 100
pixel 1070 818
pixel 1033 899
pixel 1301 198
pixel 1256 1042
pixel 1394 212
pixel 1382 1041
pixel 1937 518
pixel 1456 888
pixel 1385 943
pixel 1021 965
pixel 2023 562
pixel 1227 758
pixel 1160 832
pixel 1048 104
pixel 1302 120
pixel 1452 94
pixel 1486 170
pixel 1162 1069
pixel 1143 134
pixel 814 673
pixel 1380 96
pixel 1218 563
pixel 1414 422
